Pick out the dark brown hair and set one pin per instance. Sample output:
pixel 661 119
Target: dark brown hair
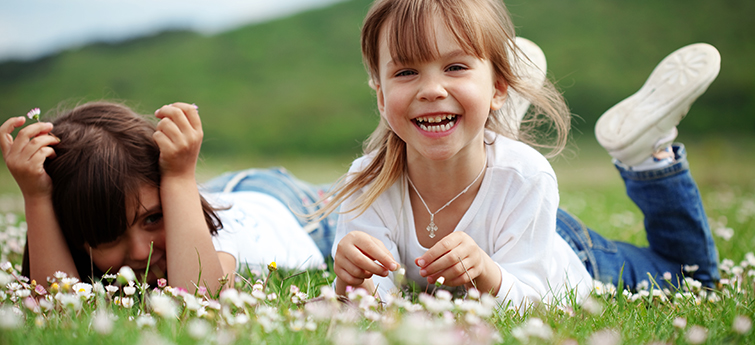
pixel 105 155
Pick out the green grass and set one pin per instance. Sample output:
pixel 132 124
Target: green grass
pixel 590 188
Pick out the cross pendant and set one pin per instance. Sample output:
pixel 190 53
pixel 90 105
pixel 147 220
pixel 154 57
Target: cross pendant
pixel 432 228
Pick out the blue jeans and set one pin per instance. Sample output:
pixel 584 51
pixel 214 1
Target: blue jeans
pixel 675 222
pixel 300 197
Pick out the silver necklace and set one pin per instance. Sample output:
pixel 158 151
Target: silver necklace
pixel 432 228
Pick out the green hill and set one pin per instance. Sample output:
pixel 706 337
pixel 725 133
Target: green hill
pixel 297 86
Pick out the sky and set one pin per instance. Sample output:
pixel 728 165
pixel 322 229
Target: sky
pixel 31 29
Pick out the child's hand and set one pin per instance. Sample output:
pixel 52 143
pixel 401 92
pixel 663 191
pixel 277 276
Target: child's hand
pixel 179 136
pixel 25 156
pixel 355 260
pixel 445 259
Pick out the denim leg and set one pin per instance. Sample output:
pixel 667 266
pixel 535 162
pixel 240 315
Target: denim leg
pixel 675 221
pixel 300 197
pixel 676 226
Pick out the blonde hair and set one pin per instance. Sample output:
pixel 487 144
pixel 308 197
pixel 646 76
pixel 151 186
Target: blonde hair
pixel 482 28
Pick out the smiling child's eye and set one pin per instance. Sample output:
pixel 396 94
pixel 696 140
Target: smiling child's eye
pixel 456 68
pixel 405 73
pixel 153 218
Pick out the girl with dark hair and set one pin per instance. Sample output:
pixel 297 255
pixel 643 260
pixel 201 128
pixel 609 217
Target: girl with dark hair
pixel 109 189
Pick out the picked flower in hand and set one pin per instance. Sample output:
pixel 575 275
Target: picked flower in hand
pixel 33 114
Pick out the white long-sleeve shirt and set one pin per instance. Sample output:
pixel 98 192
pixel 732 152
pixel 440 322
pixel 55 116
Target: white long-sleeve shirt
pixel 512 218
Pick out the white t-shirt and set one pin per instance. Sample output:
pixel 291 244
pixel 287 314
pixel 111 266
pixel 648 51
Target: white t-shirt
pixel 258 229
pixel 512 218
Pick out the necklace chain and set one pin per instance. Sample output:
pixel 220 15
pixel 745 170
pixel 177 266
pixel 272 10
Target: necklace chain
pixel 432 228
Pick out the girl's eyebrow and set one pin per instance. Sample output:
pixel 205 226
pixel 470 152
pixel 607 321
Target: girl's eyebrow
pixel 147 211
pixel 456 53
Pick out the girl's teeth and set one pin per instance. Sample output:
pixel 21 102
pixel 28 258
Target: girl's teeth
pixel 437 128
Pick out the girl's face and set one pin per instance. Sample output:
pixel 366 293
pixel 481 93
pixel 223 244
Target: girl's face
pixel 439 107
pixel 132 247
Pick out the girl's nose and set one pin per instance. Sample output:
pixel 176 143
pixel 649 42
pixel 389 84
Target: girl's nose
pixel 139 246
pixel 431 89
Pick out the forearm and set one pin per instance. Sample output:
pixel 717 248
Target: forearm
pixel 48 250
pixel 192 258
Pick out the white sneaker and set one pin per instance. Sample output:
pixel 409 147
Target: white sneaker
pixel 636 127
pixel 530 66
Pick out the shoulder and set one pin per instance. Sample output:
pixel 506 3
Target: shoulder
pixel 513 156
pixel 361 163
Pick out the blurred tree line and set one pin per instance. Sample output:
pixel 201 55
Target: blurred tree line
pixel 297 86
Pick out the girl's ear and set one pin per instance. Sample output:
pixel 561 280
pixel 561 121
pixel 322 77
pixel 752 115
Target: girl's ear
pixel 379 94
pixel 500 94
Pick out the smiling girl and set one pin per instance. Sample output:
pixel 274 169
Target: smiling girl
pixel 450 187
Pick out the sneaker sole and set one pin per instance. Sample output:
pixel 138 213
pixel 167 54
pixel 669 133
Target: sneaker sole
pixel 531 68
pixel 630 131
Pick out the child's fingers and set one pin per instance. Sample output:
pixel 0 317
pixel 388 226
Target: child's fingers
pixel 440 249
pixel 363 258
pixel 170 130
pixel 192 114
pixel 376 251
pixel 38 143
pixel 6 138
pixel 350 273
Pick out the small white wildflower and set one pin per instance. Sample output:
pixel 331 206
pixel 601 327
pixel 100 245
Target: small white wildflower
pixel 741 324
pixel 6 266
pixel 58 275
pixel 111 289
pixel 679 322
pixel 127 302
pixel 129 290
pixel 533 327
pixel 605 337
pixel 83 290
pixel 126 275
pixel 102 322
pixel 198 328
pixel 592 306
pixel 691 268
pixel 33 114
pixel 145 321
pixel 272 296
pixel 696 334
pixel 667 276
pixel 163 305
pixel 10 317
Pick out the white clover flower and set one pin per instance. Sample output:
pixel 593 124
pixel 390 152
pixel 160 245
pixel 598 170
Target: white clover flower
pixel 741 324
pixel 696 334
pixel 679 322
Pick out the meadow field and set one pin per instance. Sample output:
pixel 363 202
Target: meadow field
pixel 293 92
pixel 298 307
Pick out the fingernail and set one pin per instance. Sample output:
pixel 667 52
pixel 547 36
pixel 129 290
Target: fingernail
pixel 394 266
pixel 423 272
pixel 421 262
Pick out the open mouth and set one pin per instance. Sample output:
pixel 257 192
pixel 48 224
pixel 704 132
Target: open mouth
pixel 438 123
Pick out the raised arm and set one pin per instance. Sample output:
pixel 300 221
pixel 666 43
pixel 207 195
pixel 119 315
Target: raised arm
pixel 25 156
pixel 188 243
